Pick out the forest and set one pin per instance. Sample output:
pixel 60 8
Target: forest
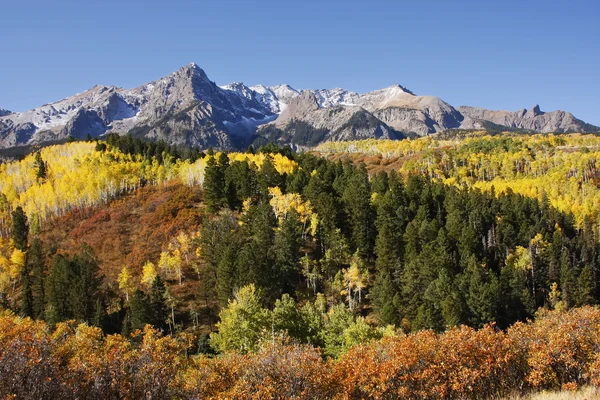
pixel 455 268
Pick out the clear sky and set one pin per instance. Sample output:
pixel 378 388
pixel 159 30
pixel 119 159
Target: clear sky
pixel 493 54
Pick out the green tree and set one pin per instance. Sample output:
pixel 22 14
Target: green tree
pixel 586 287
pixel 357 204
pixel 139 310
pixel 213 186
pixel 20 229
pixel 286 252
pixel 241 323
pixel 158 312
pixel 41 168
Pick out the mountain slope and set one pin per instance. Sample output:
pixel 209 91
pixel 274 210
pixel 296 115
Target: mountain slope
pixel 184 108
pixel 533 119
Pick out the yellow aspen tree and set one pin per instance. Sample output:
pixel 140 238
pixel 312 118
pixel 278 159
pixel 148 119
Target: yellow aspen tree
pixel 149 274
pixel 125 282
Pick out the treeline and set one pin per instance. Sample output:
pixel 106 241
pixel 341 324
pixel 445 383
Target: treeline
pixel 557 351
pixel 150 150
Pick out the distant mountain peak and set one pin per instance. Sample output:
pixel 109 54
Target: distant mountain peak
pixel 401 88
pixel 187 108
pixel 193 69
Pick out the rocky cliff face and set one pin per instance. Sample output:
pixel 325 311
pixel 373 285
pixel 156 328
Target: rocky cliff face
pixel 187 108
pixel 533 120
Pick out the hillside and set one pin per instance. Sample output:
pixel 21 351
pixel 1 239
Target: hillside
pixel 353 249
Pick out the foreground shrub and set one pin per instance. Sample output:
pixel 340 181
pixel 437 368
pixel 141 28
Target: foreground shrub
pixel 561 349
pixel 460 363
pixel 557 351
pixel 277 370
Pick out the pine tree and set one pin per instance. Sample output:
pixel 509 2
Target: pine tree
pixel 286 252
pixel 26 294
pixel 255 262
pixel 226 275
pixel 481 290
pixel 586 287
pixel 268 177
pixel 384 296
pixel 41 172
pixel 158 313
pixel 57 287
pixel 357 204
pixel 138 310
pixel 213 186
pixel 85 284
pixel 20 229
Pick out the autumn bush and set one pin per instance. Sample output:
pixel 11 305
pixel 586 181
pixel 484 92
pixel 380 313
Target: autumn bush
pixel 560 350
pixel 276 370
pixel 462 363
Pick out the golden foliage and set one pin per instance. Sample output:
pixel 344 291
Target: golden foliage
pixel 560 168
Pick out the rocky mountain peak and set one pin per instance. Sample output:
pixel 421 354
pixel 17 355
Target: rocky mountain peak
pixel 187 108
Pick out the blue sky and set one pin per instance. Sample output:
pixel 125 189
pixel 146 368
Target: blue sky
pixel 493 54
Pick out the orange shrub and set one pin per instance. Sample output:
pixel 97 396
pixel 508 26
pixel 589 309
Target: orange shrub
pixel 460 363
pixel 561 348
pixel 282 371
pixel 557 351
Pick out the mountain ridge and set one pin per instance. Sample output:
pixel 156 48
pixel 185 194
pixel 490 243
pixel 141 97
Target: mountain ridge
pixel 186 108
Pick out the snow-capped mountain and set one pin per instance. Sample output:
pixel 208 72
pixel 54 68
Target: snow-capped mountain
pixel 187 108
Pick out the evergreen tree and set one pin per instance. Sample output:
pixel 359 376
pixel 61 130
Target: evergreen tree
pixel 286 252
pixel 213 186
pixel 56 291
pixel 72 288
pixel 568 284
pixel 481 290
pixel 385 299
pixel 269 177
pixel 226 274
pixel 26 305
pixel 20 229
pixel 255 262
pixel 40 166
pixel 139 310
pixel 357 204
pixel 36 264
pixel 586 287
pixel 158 309
pixel 85 284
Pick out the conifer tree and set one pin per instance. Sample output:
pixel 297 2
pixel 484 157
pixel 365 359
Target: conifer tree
pixel 138 310
pixel 26 305
pixel 158 310
pixel 357 204
pixel 20 229
pixel 213 186
pixel 586 287
pixel 41 166
pixel 286 252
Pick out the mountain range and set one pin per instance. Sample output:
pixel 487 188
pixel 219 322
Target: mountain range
pixel 187 108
